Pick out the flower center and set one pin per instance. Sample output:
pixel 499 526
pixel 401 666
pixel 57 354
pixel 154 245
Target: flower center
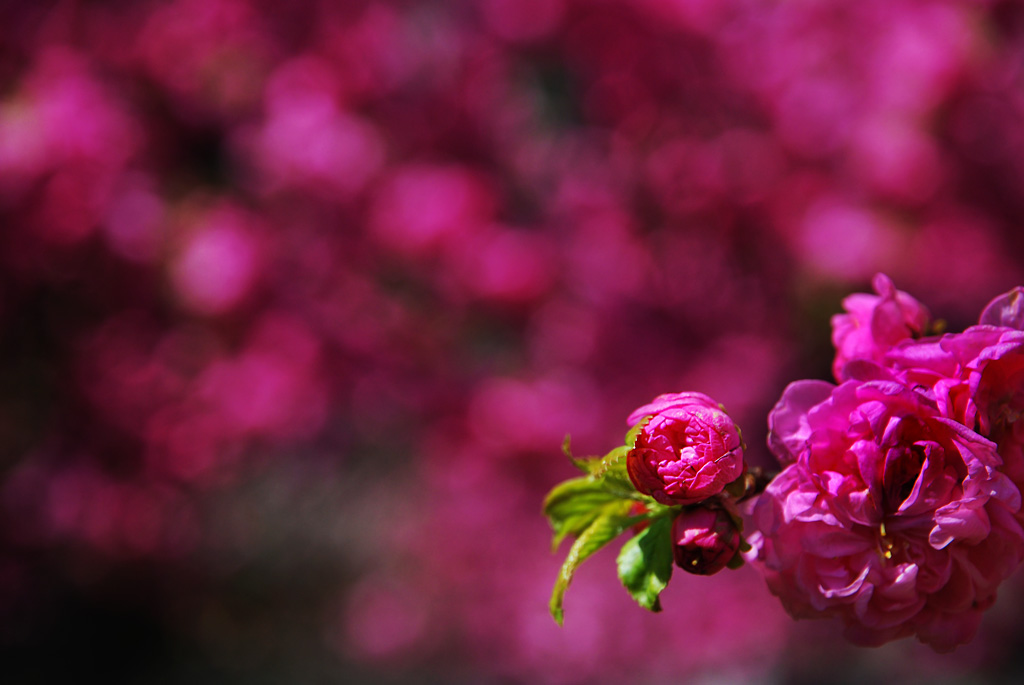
pixel 885 543
pixel 902 469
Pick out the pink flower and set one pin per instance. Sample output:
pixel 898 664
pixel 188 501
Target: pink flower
pixel 688 450
pixel 889 516
pixel 1005 310
pixel 704 540
pixel 977 378
pixel 874 323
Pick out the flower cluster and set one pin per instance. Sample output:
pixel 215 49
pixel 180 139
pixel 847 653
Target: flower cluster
pixel 677 481
pixel 898 506
pixel 898 509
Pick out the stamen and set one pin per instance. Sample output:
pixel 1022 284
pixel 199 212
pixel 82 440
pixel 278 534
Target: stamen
pixel 886 543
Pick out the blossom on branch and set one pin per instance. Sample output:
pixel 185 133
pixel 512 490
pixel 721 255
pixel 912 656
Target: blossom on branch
pixel 872 324
pixel 889 516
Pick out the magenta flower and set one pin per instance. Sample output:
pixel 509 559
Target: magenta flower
pixel 996 382
pixel 889 516
pixel 1005 310
pixel 704 540
pixel 874 323
pixel 977 378
pixel 688 450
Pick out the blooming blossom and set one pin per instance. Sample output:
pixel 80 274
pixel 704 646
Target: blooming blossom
pixel 874 323
pixel 888 515
pixel 977 378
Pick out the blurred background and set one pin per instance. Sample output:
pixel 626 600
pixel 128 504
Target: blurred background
pixel 299 300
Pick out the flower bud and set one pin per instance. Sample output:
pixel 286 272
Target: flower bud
pixel 704 540
pixel 688 450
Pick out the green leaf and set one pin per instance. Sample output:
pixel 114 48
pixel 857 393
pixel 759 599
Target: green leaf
pixel 573 505
pixel 635 431
pixel 584 464
pixel 611 470
pixel 645 563
pixel 607 525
